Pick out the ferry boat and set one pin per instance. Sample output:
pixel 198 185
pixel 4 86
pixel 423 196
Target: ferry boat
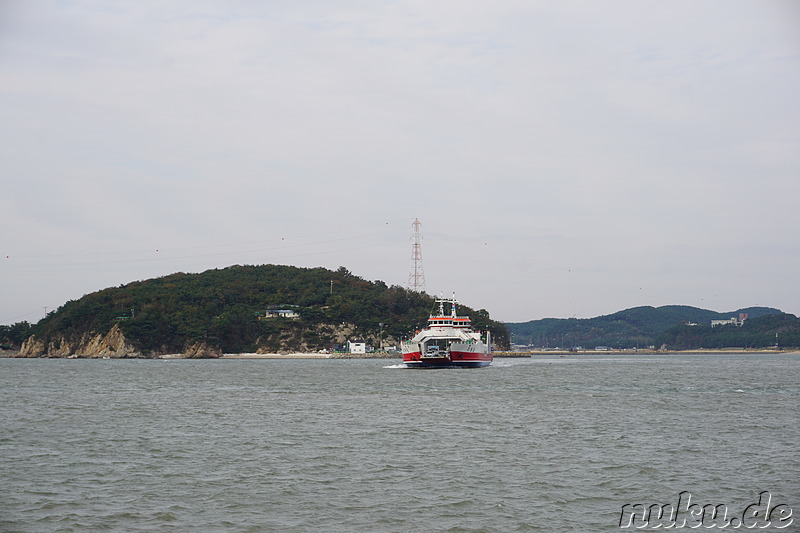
pixel 448 341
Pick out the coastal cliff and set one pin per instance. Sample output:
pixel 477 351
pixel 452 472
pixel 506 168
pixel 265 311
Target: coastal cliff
pixel 113 344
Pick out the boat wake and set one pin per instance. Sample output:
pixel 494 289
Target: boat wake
pixel 399 365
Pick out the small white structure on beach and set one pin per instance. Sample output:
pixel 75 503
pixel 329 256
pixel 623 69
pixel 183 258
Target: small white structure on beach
pixel 356 347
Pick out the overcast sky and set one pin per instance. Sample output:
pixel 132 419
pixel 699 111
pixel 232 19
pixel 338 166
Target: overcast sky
pixel 565 158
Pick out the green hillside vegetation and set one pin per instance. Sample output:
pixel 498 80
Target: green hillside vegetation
pixel 12 336
pixel 636 327
pixel 781 330
pixel 225 308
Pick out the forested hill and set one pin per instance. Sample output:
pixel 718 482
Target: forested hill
pixel 227 309
pixel 768 331
pixel 638 326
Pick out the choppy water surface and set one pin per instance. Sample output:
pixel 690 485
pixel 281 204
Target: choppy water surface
pixel 541 444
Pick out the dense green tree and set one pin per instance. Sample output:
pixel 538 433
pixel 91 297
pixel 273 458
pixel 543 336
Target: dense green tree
pixel 12 337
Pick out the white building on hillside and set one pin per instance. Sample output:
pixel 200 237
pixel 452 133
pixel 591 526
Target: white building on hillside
pixel 732 320
pixel 281 313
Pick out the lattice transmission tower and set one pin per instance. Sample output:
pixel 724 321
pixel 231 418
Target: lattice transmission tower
pixel 416 278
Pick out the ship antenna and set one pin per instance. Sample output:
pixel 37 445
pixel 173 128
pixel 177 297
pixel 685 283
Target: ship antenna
pixel 416 278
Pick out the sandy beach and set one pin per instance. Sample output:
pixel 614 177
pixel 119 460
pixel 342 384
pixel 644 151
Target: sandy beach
pixel 275 356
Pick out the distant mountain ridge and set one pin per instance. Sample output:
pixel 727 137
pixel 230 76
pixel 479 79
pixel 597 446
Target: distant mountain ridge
pixel 637 326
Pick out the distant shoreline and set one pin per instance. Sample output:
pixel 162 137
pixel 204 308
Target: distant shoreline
pixel 634 351
pixel 526 354
pixel 333 356
pixel 11 354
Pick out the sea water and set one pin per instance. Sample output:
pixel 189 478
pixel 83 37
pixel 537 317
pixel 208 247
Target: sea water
pixel 540 444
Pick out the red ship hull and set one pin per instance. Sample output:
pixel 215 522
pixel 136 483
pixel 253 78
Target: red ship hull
pixel 455 360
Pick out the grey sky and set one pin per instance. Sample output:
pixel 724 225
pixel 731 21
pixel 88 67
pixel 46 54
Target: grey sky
pixel 565 158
